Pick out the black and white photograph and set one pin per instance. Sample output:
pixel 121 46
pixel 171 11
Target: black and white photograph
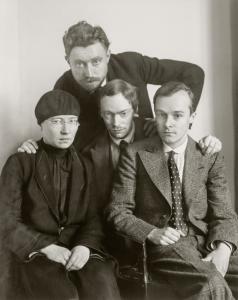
pixel 118 161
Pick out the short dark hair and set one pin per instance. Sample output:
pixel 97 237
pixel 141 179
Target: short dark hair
pixel 83 34
pixel 118 86
pixel 172 87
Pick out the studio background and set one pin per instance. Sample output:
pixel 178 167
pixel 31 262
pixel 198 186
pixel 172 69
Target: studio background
pixel 198 31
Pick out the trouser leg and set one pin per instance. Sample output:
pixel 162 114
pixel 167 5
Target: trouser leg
pixel 43 279
pixel 232 274
pixel 191 278
pixel 96 280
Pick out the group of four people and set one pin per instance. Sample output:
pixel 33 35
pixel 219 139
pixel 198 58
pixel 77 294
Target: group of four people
pixel 65 202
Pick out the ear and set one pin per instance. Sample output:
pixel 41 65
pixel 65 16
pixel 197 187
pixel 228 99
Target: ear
pixel 191 119
pixel 108 54
pixel 67 59
pixel 136 112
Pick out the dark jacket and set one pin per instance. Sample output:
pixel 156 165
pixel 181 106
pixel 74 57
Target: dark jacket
pixel 99 152
pixel 29 212
pixel 138 70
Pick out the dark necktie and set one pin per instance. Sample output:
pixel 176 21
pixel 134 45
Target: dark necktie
pixel 123 144
pixel 177 220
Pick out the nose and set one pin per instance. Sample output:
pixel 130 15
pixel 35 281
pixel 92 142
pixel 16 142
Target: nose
pixel 169 121
pixel 88 71
pixel 116 120
pixel 65 129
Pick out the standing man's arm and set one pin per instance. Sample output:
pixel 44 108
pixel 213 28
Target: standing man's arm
pixel 158 71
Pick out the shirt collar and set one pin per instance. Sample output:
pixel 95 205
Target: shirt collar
pixel 129 138
pixel 103 82
pixel 180 149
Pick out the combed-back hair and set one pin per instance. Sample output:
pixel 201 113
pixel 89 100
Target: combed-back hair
pixel 172 87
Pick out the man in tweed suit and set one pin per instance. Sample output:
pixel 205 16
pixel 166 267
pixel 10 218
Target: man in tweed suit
pixel 197 256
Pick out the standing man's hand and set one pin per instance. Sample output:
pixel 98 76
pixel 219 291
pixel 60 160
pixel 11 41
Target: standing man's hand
pixel 220 257
pixel 57 253
pixel 78 259
pixel 164 236
pixel 210 144
pixel 150 128
pixel 30 146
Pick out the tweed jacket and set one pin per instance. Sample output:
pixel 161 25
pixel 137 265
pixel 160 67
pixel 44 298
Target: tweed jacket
pixel 138 70
pixel 99 152
pixel 29 213
pixel 141 196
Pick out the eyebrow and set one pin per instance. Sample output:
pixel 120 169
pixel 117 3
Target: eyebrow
pixel 118 112
pixel 175 111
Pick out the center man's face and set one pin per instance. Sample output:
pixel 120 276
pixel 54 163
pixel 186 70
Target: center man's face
pixel 117 114
pixel 173 117
pixel 59 131
pixel 89 65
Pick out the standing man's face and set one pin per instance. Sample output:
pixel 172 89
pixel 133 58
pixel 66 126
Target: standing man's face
pixel 117 114
pixel 89 65
pixel 173 117
pixel 59 131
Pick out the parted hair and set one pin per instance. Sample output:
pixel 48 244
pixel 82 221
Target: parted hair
pixel 83 34
pixel 118 86
pixel 172 87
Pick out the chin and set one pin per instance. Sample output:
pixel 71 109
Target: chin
pixel 64 145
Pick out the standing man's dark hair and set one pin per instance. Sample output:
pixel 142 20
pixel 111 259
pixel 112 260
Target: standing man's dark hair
pixel 83 34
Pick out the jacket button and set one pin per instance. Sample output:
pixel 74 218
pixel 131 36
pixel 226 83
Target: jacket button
pixel 60 229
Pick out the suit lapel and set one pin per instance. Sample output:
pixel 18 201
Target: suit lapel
pixel 44 180
pixel 155 164
pixel 193 167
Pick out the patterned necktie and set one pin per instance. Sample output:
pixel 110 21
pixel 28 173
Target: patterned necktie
pixel 177 218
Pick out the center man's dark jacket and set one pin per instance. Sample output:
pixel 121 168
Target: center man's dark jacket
pixel 99 152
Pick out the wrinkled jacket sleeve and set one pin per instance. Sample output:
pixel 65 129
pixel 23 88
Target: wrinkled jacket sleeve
pixel 221 218
pixel 120 212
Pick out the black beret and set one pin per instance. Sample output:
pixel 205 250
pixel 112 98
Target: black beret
pixel 55 103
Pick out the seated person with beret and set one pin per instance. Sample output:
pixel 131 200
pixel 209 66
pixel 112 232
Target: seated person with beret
pixel 49 226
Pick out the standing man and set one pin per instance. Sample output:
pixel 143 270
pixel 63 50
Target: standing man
pixel 49 226
pixel 171 197
pixel 92 65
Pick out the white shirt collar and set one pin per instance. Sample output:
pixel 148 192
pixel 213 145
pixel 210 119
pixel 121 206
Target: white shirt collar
pixel 103 82
pixel 180 149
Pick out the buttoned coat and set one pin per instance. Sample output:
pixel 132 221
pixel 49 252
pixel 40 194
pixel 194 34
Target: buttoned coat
pixel 141 196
